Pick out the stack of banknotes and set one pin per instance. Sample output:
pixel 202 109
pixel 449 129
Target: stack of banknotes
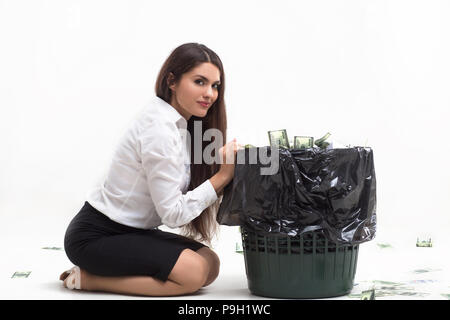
pixel 280 138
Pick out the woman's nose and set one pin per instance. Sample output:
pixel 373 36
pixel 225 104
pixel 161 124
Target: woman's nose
pixel 208 92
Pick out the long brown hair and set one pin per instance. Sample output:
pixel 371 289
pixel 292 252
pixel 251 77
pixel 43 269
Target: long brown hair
pixel 182 60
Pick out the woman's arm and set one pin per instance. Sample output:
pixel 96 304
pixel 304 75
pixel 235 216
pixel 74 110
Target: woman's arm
pixel 226 171
pixel 162 162
pixel 219 181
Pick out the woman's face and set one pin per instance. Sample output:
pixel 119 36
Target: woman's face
pixel 198 85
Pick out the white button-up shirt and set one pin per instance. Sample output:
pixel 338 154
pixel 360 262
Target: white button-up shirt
pixel 150 172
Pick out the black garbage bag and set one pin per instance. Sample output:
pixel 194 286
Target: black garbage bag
pixel 331 190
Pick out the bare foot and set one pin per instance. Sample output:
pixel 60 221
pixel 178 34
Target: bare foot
pixel 63 275
pixel 83 276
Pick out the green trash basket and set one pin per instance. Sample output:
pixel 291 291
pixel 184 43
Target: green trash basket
pixel 305 266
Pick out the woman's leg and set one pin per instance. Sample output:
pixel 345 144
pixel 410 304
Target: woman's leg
pixel 188 275
pixel 213 262
pixel 100 246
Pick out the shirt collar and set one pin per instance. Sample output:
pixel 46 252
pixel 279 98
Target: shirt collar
pixel 172 114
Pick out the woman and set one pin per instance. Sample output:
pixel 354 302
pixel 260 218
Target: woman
pixel 114 241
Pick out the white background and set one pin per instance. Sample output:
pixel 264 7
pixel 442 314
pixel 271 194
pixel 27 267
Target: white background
pixel 375 73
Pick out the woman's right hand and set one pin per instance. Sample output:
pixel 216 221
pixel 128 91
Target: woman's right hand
pixel 227 167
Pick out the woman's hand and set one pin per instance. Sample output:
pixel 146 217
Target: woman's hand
pixel 230 149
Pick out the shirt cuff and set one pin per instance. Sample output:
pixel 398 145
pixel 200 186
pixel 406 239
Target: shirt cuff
pixel 209 194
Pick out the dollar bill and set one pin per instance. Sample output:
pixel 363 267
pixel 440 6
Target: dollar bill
pixel 239 248
pixel 385 289
pixel 52 248
pixel 384 245
pixel 302 142
pixel 321 143
pixel 249 146
pixel 368 295
pixel 424 243
pixel 238 243
pixel 279 138
pixel 21 274
pixel 425 270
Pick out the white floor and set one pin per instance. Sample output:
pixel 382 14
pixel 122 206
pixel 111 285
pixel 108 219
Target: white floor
pixel 401 271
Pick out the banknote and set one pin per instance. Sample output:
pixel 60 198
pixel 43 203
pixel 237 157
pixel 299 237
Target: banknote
pixel 279 138
pixel 384 245
pixel 368 295
pixel 382 288
pixel 21 274
pixel 238 243
pixel 303 142
pixel 424 243
pixel 239 248
pixel 52 248
pixel 321 143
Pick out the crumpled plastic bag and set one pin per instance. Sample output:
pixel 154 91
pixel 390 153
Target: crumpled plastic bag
pixel 333 190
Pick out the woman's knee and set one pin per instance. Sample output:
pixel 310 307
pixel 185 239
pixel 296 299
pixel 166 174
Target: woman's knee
pixel 213 262
pixel 191 270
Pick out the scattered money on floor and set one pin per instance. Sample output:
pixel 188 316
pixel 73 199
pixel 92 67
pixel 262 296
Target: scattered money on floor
pixel 21 274
pixel 239 248
pixel 384 245
pixel 368 295
pixel 424 243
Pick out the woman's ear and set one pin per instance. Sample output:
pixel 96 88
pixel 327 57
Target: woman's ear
pixel 171 81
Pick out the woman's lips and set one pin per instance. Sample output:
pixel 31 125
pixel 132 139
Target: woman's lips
pixel 203 104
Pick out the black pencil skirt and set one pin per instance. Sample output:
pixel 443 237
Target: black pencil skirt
pixel 104 247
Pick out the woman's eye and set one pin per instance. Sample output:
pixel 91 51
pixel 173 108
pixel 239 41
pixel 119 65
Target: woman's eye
pixel 216 86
